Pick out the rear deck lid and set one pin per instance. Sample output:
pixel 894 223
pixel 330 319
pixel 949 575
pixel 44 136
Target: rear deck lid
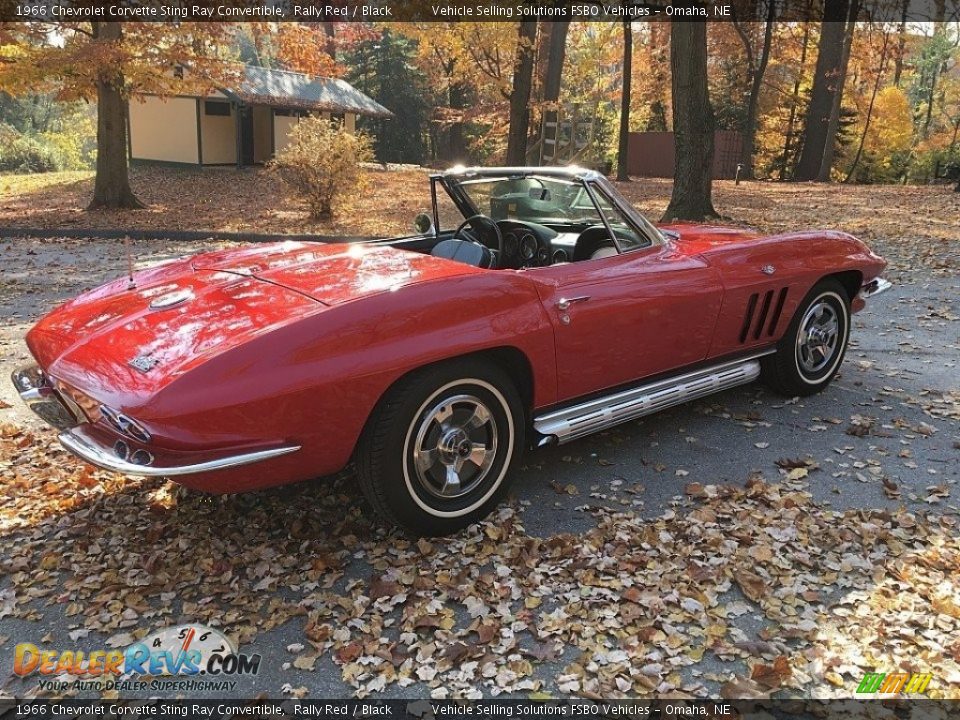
pixel 333 273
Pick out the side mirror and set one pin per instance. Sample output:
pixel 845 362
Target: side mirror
pixel 423 224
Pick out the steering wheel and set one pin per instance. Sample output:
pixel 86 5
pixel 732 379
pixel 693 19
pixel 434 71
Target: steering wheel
pixel 480 225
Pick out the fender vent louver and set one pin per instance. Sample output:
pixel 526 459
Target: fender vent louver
pixel 781 299
pixel 748 320
pixel 756 329
pixel 767 299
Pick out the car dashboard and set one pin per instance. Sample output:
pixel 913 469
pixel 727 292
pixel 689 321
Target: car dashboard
pixel 528 245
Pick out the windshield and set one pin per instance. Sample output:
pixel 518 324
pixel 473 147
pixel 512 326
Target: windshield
pixel 557 202
pixel 531 198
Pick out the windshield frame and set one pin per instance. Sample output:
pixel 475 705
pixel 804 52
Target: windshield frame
pixel 453 184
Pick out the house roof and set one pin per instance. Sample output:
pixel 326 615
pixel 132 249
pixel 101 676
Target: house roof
pixel 282 88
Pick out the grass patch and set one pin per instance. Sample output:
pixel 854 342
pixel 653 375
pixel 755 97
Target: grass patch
pixel 17 185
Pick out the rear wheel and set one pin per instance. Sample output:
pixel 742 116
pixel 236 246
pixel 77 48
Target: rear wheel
pixel 812 349
pixel 438 451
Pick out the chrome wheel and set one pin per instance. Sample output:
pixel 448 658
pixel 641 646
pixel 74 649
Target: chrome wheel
pixel 819 337
pixel 455 446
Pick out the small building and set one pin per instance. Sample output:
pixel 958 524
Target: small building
pixel 651 154
pixel 244 125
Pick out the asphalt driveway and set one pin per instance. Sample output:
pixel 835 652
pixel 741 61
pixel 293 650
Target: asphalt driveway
pixel 744 545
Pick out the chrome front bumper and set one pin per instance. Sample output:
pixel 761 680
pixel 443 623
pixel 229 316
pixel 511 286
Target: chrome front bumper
pixel 55 409
pixel 874 287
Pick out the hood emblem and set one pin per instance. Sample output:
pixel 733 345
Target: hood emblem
pixel 171 299
pixel 144 363
pixel 768 269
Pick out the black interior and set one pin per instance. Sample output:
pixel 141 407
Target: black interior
pixel 465 251
pixel 524 245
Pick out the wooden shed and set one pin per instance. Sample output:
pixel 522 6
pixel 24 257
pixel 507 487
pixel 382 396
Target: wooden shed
pixel 242 125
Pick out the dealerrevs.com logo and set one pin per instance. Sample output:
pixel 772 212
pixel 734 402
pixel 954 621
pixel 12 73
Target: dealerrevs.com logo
pixel 894 683
pixel 183 653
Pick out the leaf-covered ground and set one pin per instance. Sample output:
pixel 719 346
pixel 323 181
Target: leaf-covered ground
pixel 631 606
pixel 744 545
pixel 215 199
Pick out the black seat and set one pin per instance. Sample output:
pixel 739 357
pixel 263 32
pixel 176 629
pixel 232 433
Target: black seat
pixel 463 251
pixel 593 240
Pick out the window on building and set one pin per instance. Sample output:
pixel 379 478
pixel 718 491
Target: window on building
pixel 214 107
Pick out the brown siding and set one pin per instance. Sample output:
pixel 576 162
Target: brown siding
pixel 650 154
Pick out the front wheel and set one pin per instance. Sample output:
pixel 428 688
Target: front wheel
pixel 437 452
pixel 812 349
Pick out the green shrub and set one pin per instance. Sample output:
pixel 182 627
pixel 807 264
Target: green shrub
pixel 27 154
pixel 75 143
pixel 322 163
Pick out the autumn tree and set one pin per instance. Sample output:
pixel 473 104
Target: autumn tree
pixel 556 53
pixel 623 145
pixel 833 122
pixel 693 124
pixel 785 159
pixel 520 94
pixel 383 70
pixel 469 68
pixel 756 68
pixel 105 62
pixel 827 89
pixel 305 47
pixel 868 115
pixel 551 56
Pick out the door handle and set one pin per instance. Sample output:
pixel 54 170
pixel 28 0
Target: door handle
pixel 565 303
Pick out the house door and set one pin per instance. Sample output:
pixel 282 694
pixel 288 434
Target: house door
pixel 246 135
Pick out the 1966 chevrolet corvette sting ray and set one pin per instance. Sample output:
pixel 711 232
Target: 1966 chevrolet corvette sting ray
pixel 554 310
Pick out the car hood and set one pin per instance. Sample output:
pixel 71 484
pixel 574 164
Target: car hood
pixel 120 342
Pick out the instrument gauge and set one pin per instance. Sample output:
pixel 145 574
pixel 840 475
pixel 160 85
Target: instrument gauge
pixel 528 247
pixel 510 244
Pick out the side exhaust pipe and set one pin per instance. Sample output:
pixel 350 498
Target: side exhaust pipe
pixel 562 426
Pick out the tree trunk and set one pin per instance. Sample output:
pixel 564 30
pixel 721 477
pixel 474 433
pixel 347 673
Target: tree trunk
pixel 953 139
pixel 330 31
pixel 112 185
pixel 795 100
pixel 830 145
pixel 693 124
pixel 556 53
pixel 456 142
pixel 658 43
pixel 928 115
pixel 873 98
pixel 901 42
pixel 624 140
pixel 520 96
pixel 829 57
pixel 750 126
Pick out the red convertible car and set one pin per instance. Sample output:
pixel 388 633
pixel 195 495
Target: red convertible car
pixel 549 309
